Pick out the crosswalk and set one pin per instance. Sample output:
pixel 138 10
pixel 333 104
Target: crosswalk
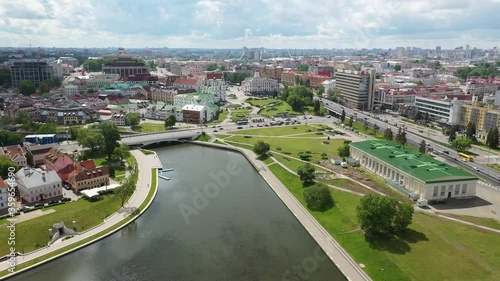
pixel 490 185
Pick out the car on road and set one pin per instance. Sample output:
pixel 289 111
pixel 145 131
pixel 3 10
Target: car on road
pixel 329 116
pixel 220 129
pixel 251 126
pixel 215 131
pixel 66 187
pixel 475 168
pixel 65 199
pixel 39 205
pixel 24 208
pixel 53 202
pixel 239 128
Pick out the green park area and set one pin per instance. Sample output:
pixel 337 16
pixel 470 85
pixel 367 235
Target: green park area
pixel 431 249
pixel 272 107
pixel 240 114
pixel 147 127
pixel 222 117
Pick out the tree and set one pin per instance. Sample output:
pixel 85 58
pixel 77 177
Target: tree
pixel 422 147
pixel 317 107
pixel 170 121
pixel 375 129
pixel 26 87
pixel 296 102
pixel 366 125
pixel 401 137
pixel 344 151
pixel 5 164
pixel 397 67
pixel 47 128
pixel 318 197
pixel 492 139
pixel 383 214
pixel 342 116
pixel 8 138
pixel 90 139
pixel 388 135
pixel 453 134
pixel 351 121
pixel 426 117
pixel 111 136
pixel 125 191
pixel 261 148
pixel 471 131
pixel 121 152
pixel 321 90
pixel 74 132
pixel 298 80
pixel 133 119
pixel 212 67
pixel 303 67
pixel 461 143
pixel 306 173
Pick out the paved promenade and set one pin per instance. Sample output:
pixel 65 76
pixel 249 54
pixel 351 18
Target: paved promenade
pixel 338 255
pixel 145 164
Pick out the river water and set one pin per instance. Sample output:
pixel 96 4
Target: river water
pixel 216 219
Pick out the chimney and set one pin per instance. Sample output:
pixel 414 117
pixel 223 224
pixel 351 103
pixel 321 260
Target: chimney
pixel 43 176
pixel 26 171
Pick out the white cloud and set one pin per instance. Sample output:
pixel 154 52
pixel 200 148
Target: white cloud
pixel 235 23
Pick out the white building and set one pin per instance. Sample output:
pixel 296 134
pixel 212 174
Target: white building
pixel 4 195
pixel 71 90
pixel 438 108
pixel 259 85
pixel 161 111
pixel 216 87
pixel 185 99
pixel 416 175
pixel 119 119
pixel 37 185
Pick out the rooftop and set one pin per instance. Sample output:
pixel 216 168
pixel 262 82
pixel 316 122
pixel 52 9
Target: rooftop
pixel 421 166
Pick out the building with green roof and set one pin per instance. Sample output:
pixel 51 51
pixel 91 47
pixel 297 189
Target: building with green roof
pixel 415 174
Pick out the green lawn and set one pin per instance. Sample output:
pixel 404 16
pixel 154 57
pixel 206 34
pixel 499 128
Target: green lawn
pixel 291 163
pixel 203 137
pixel 278 106
pixel 277 131
pixel 348 184
pixel 488 222
pixel 239 114
pixel 33 234
pixel 104 232
pixel 149 127
pixel 432 248
pixel 218 142
pixel 265 158
pixel 295 145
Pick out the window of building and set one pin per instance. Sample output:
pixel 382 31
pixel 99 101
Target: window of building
pixel 457 189
pixel 464 188
pixel 443 190
pixel 435 191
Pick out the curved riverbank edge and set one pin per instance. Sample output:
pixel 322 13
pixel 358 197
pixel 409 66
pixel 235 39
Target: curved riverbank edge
pixel 344 262
pixel 112 229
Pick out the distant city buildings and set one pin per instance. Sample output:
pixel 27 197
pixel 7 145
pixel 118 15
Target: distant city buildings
pixel 33 70
pixel 124 65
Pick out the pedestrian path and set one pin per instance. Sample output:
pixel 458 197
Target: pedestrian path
pixel 145 164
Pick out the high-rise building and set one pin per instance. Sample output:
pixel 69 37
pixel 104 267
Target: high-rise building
pixel 356 88
pixel 438 50
pixel 33 70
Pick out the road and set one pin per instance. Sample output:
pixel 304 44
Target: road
pixel 414 137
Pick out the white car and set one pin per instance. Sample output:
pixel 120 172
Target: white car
pixel 475 168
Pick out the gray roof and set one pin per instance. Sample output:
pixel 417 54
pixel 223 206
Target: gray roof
pixel 33 178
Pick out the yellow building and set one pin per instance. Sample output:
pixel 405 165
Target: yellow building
pixel 485 116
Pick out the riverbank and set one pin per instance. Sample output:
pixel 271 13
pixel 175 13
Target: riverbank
pixel 333 250
pixel 138 203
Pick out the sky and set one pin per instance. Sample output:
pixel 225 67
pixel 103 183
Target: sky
pixel 302 24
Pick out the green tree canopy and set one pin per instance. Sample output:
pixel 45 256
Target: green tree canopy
pixel 383 214
pixel 5 163
pixel 461 143
pixel 9 138
pixel 344 151
pixel 388 135
pixel 303 67
pixel 26 88
pixel 306 173
pixel 111 136
pixel 318 197
pixel 422 147
pixel 133 119
pixel 91 139
pixel 121 152
pixel 170 121
pixel 471 131
pixel 261 148
pixel 492 139
pixel 47 128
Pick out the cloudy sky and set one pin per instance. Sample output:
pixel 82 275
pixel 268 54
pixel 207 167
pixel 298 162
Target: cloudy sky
pixel 254 23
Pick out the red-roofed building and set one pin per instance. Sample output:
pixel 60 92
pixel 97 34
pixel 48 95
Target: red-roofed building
pixel 16 153
pixel 183 83
pixel 37 152
pixel 57 161
pixel 85 175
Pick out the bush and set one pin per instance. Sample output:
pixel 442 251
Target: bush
pixel 318 197
pixel 278 148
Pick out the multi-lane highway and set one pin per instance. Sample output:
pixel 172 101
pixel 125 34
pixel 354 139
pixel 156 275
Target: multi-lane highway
pixel 414 138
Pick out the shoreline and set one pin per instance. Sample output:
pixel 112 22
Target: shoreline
pixel 108 231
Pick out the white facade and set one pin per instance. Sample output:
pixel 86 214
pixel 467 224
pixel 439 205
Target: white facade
pixel 70 90
pixel 329 85
pixel 442 109
pixel 185 99
pixel 217 87
pixel 35 184
pixel 259 84
pixel 119 119
pixel 412 186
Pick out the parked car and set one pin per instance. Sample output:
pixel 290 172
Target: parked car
pixel 53 202
pixel 39 205
pixel 220 129
pixel 239 128
pixel 65 199
pixel 215 131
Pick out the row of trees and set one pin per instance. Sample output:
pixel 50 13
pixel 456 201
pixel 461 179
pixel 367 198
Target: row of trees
pixel 400 137
pixel 214 66
pixel 27 88
pixel 236 77
pixel 481 69
pixel 102 139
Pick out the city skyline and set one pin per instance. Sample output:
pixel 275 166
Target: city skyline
pixel 235 23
